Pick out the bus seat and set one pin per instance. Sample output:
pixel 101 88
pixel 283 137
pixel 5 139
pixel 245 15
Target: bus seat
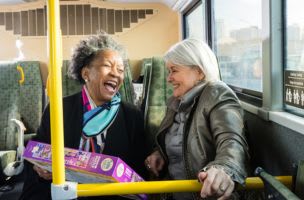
pixel 138 84
pixel 146 76
pixel 9 99
pixel 31 97
pixel 156 93
pixel 71 86
pixel 21 99
pixel 127 90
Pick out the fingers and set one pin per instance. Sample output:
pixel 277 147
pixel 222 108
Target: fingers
pixel 216 183
pixel 207 189
pixel 43 173
pixel 227 192
pixel 155 163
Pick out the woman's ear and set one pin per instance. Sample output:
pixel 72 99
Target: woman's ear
pixel 200 73
pixel 85 73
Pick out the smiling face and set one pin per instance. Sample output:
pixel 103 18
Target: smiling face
pixel 104 76
pixel 183 78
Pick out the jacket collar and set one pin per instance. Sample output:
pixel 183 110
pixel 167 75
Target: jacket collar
pixel 175 105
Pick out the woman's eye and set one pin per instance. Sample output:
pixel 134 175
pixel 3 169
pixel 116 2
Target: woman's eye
pixel 120 70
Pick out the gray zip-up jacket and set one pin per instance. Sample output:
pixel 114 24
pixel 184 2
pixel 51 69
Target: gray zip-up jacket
pixel 213 133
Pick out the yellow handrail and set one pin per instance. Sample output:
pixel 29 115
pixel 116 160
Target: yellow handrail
pixel 20 69
pixel 151 187
pixel 55 92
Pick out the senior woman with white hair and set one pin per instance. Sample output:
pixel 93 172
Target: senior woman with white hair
pixel 201 135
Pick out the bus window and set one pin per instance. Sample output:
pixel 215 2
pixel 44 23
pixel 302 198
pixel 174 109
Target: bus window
pixel 238 42
pixel 294 57
pixel 195 21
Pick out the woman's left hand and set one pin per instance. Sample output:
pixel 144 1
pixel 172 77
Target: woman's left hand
pixel 216 183
pixel 43 173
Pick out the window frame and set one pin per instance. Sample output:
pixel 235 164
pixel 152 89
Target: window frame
pixel 190 8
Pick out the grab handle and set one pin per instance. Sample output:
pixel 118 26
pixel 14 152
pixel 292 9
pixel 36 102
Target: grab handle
pixel 20 69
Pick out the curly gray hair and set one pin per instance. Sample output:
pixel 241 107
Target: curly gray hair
pixel 87 49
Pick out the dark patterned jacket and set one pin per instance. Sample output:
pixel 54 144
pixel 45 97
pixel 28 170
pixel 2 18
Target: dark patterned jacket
pixel 125 139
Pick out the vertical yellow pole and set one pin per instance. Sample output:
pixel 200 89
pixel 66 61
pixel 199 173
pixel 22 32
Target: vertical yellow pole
pixel 55 91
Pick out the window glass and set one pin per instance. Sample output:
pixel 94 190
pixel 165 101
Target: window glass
pixel 238 42
pixel 294 56
pixel 195 22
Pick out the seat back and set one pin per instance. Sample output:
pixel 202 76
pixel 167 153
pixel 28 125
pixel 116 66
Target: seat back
pixel 21 97
pixel 157 91
pixel 71 86
pixel 9 104
pixel 146 74
pixel 127 89
pixel 31 96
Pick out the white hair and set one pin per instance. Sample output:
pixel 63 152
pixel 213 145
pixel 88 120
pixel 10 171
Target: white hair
pixel 194 52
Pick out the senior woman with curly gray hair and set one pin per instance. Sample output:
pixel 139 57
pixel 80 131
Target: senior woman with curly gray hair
pixel 95 119
pixel 201 135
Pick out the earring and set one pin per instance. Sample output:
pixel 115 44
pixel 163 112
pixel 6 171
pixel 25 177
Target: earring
pixel 85 80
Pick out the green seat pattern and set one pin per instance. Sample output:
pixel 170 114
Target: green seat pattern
pixel 9 104
pixel 19 101
pixel 127 89
pixel 157 91
pixel 146 73
pixel 32 94
pixel 69 85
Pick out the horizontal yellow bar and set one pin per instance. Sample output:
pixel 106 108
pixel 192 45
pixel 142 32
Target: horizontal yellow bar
pixel 152 187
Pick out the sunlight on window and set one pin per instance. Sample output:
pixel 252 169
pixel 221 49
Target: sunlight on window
pixel 195 22
pixel 238 42
pixel 295 35
pixel 294 57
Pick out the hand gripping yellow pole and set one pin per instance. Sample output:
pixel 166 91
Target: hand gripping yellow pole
pixel 151 187
pixel 55 92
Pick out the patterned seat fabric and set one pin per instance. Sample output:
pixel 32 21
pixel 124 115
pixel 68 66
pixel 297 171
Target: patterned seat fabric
pixel 156 93
pixel 127 90
pixel 146 74
pixel 32 96
pixel 9 106
pixel 18 101
pixel 71 86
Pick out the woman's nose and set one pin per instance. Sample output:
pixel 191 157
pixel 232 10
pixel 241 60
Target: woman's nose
pixel 169 78
pixel 114 71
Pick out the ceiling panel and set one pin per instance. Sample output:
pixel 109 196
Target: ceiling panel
pixel 167 2
pixel 10 2
pixel 170 3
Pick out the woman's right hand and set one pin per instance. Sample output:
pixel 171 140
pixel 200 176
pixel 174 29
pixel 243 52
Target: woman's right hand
pixel 43 173
pixel 155 162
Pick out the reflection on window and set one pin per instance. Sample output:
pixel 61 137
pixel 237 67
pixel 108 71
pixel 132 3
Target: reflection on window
pixel 295 35
pixel 294 60
pixel 195 22
pixel 238 42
